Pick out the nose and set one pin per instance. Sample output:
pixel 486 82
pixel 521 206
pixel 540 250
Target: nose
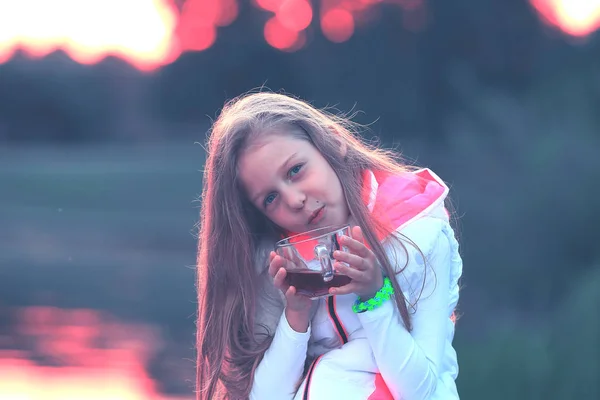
pixel 294 198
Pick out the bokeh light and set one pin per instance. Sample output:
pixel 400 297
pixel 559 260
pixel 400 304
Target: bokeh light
pixel 89 31
pixel 337 24
pixel 575 17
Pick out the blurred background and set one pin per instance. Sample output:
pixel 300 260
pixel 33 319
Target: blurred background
pixel 105 105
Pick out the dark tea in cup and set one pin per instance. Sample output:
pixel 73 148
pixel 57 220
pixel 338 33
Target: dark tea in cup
pixel 309 260
pixel 311 283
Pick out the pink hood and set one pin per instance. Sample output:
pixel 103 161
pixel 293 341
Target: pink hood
pixel 396 200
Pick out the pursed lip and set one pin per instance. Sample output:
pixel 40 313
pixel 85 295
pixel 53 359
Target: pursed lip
pixel 315 214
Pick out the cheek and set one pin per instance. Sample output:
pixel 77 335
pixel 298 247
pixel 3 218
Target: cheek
pixel 335 183
pixel 278 217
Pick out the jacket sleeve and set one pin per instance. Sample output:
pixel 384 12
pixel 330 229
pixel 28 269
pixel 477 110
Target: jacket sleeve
pixel 281 368
pixel 411 362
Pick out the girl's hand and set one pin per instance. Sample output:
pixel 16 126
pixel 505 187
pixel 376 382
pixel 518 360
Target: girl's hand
pixel 297 310
pixel 363 268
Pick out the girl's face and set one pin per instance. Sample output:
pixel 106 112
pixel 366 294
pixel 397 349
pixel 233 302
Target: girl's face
pixel 291 183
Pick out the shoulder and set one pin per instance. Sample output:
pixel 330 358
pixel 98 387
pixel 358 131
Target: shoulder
pixel 424 245
pixel 421 237
pixel 425 232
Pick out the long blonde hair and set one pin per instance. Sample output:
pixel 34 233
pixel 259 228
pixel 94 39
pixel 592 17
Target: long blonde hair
pixel 231 228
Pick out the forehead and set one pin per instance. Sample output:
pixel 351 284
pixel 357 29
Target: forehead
pixel 272 140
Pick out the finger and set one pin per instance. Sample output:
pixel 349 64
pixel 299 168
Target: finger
pixel 279 280
pixel 290 292
pixel 272 256
pixel 355 246
pixel 277 263
pixel 355 261
pixel 352 273
pixel 357 234
pixel 292 295
pixel 346 289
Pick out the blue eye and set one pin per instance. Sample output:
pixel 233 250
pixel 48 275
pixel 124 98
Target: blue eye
pixel 269 199
pixel 295 169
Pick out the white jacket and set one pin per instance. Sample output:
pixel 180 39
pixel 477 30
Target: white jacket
pixel 371 356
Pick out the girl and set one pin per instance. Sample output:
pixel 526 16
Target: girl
pixel 278 166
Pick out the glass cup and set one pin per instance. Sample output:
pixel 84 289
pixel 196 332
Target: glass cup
pixel 309 260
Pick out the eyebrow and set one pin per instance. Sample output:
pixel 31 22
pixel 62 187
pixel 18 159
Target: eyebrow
pixel 281 167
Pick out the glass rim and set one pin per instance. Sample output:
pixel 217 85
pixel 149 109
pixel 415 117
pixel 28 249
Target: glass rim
pixel 288 241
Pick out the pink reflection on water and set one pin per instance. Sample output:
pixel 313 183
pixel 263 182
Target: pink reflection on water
pixel 62 354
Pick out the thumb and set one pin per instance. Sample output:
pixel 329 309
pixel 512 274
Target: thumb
pixel 357 234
